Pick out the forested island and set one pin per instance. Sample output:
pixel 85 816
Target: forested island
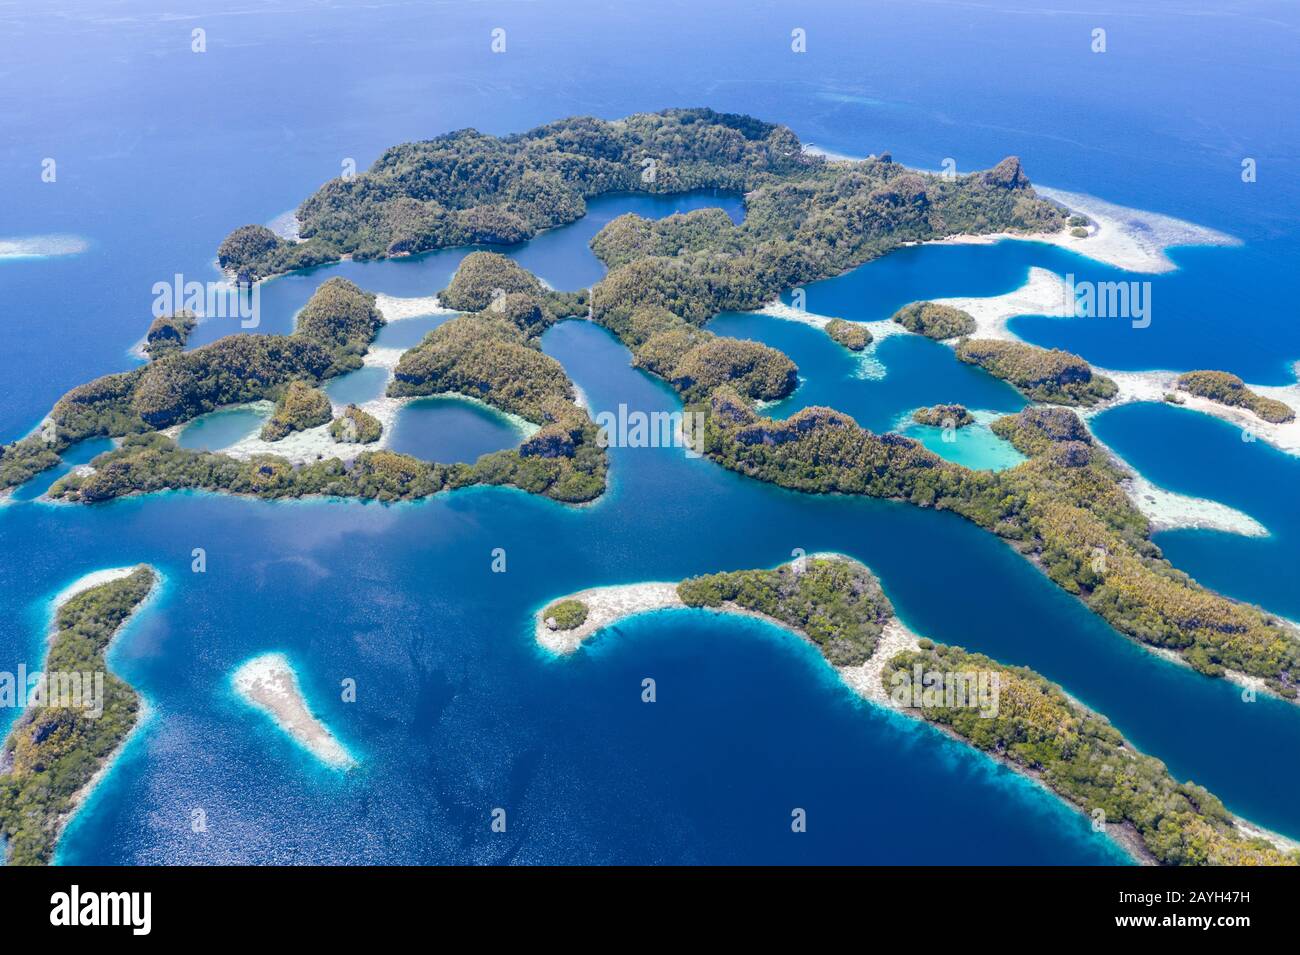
pixel 53 753
pixel 806 219
pixel 852 335
pixel 936 321
pixel 168 333
pixel 334 331
pixel 1064 509
pixel 833 602
pixel 1022 720
pixel 468 187
pixel 1041 374
pixel 1228 389
pixel 1077 754
pixel 944 416
pixel 301 406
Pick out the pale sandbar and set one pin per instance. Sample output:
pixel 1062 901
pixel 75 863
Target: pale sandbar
pixel 268 683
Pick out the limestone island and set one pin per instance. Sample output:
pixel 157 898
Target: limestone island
pixel 1015 716
pixel 65 741
pixel 1067 508
pixel 168 333
pixel 491 355
pixel 855 336
pixel 269 683
pixel 944 416
pixel 1230 390
pixel 1049 375
pixel 935 320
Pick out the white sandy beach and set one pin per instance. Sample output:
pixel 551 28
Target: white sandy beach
pixel 1044 293
pixel 316 444
pixel 1130 239
pixel 1154 385
pixel 93 579
pixel 269 683
pixel 608 606
pixel 1168 510
pixel 395 309
pixel 869 366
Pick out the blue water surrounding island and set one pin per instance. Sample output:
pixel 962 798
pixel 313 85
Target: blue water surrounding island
pixel 457 711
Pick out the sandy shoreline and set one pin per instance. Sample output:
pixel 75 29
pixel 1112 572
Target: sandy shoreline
pixel 94 579
pixel 1044 293
pixel 608 606
pixel 1134 240
pixel 1152 386
pixel 1130 239
pixel 143 710
pixel 395 309
pixel 316 444
pixel 269 683
pixel 611 605
pixel 869 366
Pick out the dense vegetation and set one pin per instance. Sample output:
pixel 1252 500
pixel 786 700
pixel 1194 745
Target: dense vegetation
pixel 168 333
pixel 852 335
pixel 484 356
pixel 1064 508
pixel 1084 759
pixel 695 361
pixel 565 614
pixel 252 252
pixel 944 416
pixel 1041 374
pixel 22 460
pixel 354 426
pixel 466 187
pixel 342 318
pixel 836 603
pixel 935 321
pixel 800 228
pixel 53 751
pixel 153 462
pixel 334 329
pixel 299 408
pixel 1228 389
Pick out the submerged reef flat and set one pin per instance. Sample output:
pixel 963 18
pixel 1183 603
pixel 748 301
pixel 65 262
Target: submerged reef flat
pixel 269 683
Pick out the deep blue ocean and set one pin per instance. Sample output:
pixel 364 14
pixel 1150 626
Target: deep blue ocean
pixel 160 151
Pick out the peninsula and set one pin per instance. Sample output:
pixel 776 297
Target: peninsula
pixel 1017 717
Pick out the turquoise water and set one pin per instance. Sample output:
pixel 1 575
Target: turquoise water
pixel 451 429
pixel 894 375
pixel 457 711
pixel 974 446
pixel 221 429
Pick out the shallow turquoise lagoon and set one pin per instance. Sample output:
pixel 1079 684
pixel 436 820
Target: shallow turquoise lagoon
pixel 221 429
